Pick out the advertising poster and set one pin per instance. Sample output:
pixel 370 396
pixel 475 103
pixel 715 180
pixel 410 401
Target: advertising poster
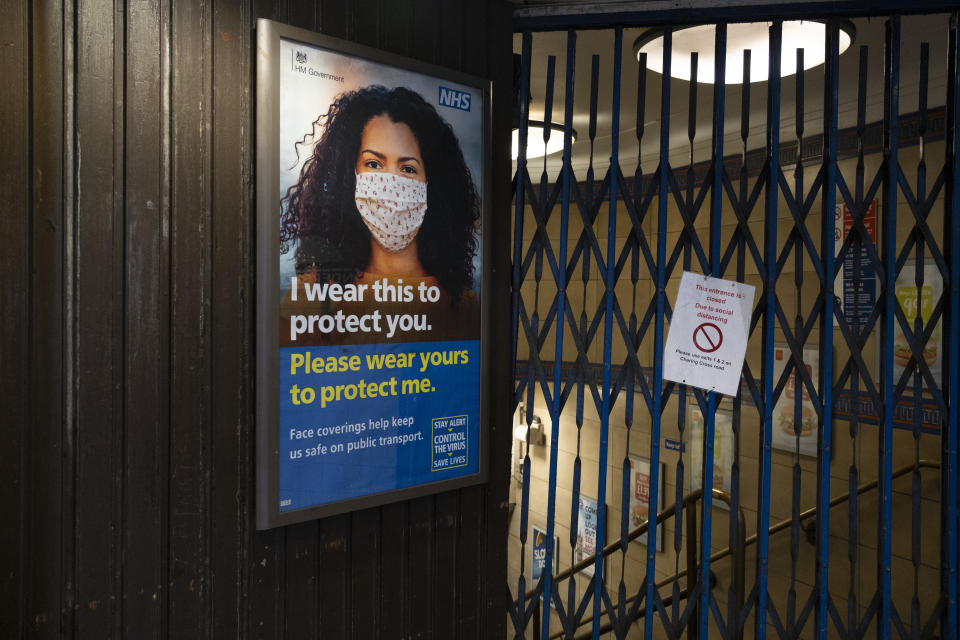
pixel 906 291
pixel 640 496
pixel 586 533
pixel 375 285
pixel 785 435
pixel 540 553
pixel 723 452
pixel 859 298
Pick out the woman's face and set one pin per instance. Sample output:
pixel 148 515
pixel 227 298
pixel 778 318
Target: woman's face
pixel 390 147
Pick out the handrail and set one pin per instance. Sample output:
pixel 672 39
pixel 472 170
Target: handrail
pixel 690 499
pixel 812 511
pixel 689 503
pixel 669 512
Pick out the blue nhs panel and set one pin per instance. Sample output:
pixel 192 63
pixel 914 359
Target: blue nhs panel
pixel 399 416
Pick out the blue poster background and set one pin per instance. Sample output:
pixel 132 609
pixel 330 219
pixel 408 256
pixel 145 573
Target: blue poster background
pixel 369 463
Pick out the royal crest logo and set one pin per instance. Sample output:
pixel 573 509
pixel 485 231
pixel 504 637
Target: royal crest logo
pixel 301 57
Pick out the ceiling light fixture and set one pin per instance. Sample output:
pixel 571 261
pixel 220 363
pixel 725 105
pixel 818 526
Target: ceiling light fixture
pixel 535 144
pixel 797 34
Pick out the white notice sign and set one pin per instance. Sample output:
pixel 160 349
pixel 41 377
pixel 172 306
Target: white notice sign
pixel 708 333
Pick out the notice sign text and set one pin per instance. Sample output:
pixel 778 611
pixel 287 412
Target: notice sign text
pixel 708 333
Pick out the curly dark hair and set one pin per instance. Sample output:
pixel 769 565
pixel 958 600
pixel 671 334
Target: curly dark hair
pixel 319 211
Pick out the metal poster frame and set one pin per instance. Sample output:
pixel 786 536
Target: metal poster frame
pixel 268 117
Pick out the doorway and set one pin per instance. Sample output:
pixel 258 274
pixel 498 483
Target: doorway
pixel 814 160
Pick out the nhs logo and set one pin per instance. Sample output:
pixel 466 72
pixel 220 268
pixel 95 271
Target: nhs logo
pixel 455 99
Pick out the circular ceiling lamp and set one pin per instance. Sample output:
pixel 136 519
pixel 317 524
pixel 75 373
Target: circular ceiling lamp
pixel 797 34
pixel 535 145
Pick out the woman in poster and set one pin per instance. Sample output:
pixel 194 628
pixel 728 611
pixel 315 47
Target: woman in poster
pixel 385 197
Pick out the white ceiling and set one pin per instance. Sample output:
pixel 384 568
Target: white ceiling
pixel 869 32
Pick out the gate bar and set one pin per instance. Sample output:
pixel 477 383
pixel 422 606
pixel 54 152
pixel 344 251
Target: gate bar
pixel 716 209
pixel 561 281
pixel 891 135
pixel 952 199
pixel 828 199
pixel 519 207
pixel 657 389
pixel 611 266
pixel 769 322
pixel 520 192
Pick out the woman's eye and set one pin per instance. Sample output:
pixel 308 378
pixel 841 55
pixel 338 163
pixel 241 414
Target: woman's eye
pixel 372 164
pixel 409 169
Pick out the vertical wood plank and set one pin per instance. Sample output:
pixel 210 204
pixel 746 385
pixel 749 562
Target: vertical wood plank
pixel 476 30
pixel 364 573
pixel 444 600
pixel 423 30
pixel 395 25
pixel 265 556
pixel 232 336
pixel 264 603
pixel 52 144
pixel 269 9
pixel 302 14
pixel 468 558
pixel 394 536
pixel 333 17
pixel 422 572
pixel 14 308
pixel 300 582
pixel 146 416
pixel 366 23
pixel 191 321
pixel 449 37
pixel 470 512
pixel 493 552
pixel 335 596
pixel 99 335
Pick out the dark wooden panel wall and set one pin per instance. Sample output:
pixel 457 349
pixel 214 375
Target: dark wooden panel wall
pixel 126 340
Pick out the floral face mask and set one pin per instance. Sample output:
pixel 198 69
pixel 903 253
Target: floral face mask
pixel 392 207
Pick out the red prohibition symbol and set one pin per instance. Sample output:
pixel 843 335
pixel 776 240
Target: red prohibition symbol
pixel 707 337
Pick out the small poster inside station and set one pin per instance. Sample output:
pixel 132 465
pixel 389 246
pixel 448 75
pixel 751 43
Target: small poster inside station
pixel 787 435
pixel 370 275
pixel 708 333
pixel 930 291
pixel 640 496
pixel 586 546
pixel 723 450
pixel 539 551
pixel 856 273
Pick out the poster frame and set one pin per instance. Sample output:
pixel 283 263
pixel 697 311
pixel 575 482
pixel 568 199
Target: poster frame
pixel 933 278
pixel 644 539
pixel 533 560
pixel 267 244
pixel 556 551
pixel 696 470
pixel 780 440
pixel 598 545
pixel 841 212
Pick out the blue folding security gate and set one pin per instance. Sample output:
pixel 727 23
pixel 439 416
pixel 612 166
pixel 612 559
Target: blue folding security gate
pixel 770 218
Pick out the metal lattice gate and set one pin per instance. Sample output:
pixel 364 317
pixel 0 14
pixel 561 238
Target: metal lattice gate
pixel 842 206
